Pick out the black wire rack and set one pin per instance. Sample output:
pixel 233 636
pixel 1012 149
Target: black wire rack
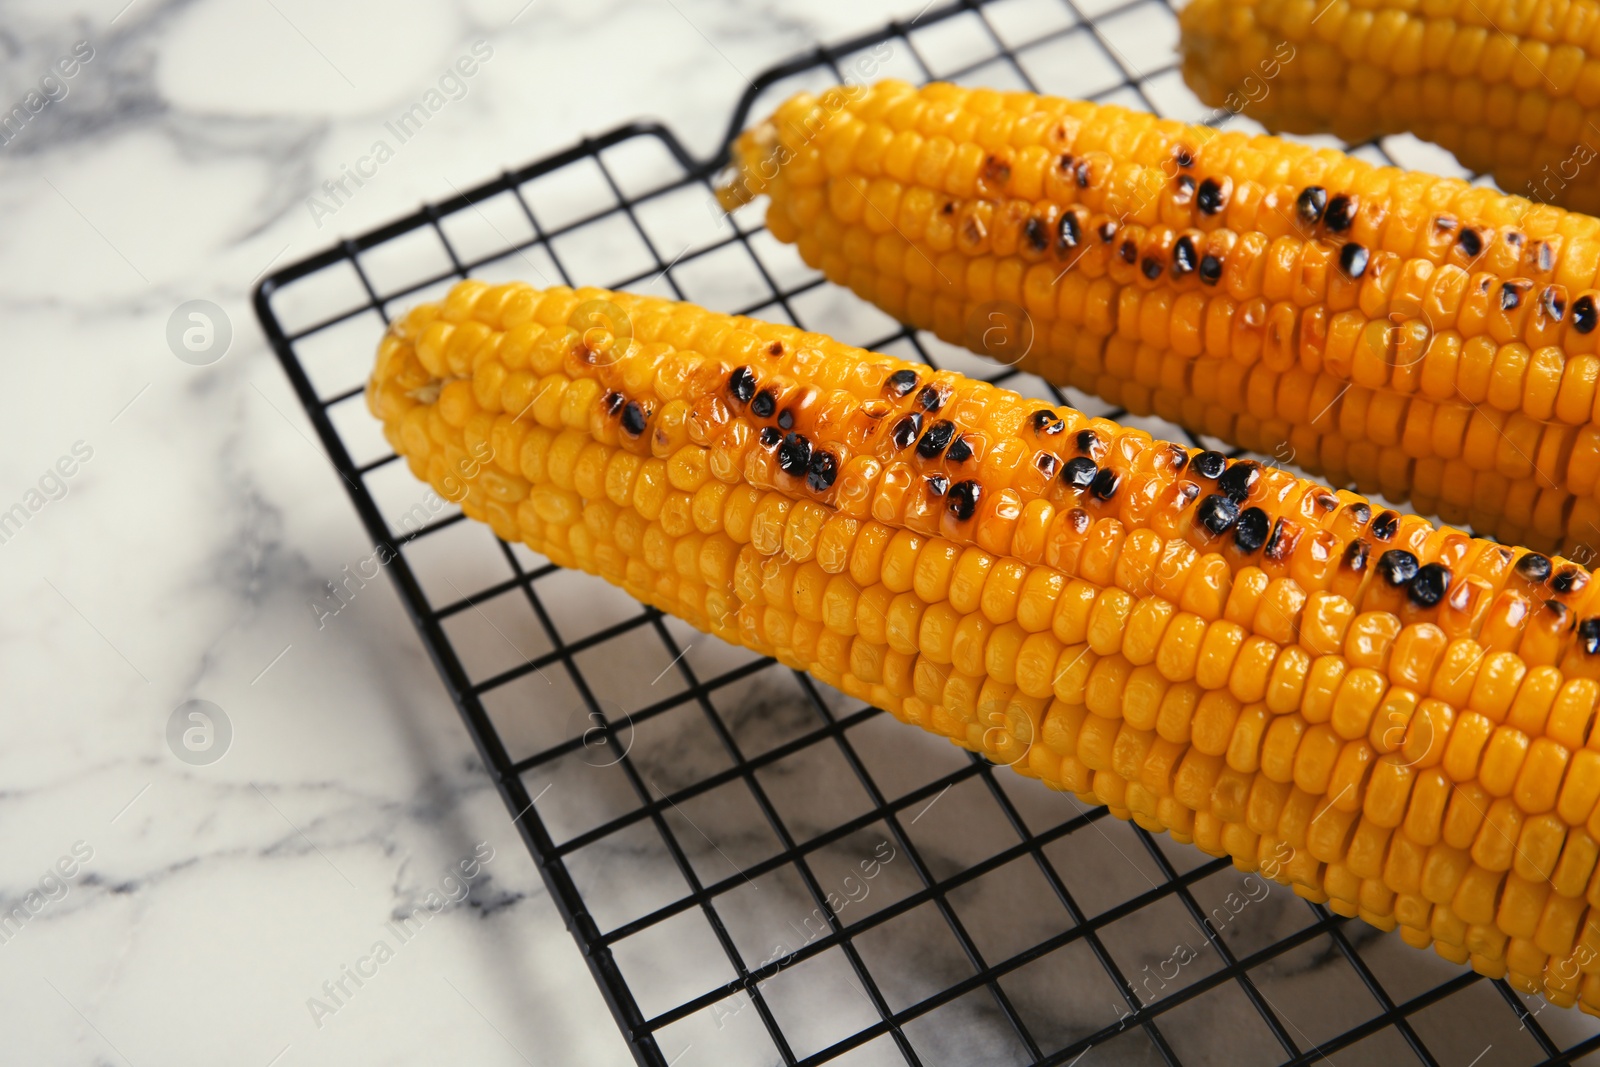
pixel 756 869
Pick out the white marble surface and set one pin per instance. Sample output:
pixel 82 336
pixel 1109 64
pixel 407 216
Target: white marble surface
pixel 192 914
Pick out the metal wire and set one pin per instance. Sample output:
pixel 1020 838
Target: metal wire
pixel 915 1031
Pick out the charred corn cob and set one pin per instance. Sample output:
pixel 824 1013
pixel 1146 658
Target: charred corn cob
pixel 1392 717
pixel 1405 334
pixel 1511 88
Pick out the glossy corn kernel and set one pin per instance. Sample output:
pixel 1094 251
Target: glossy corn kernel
pixel 1507 93
pixel 1406 335
pixel 1391 717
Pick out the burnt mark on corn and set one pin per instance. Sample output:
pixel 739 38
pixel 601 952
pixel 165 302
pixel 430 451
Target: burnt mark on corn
pixel 949 208
pixel 1559 613
pixel 742 384
pixel 1079 472
pixel 1217 513
pixel 996 171
pixel 1129 252
pixel 1511 294
pixel 1046 463
pixel 775 349
pixel 1311 204
pixel 1180 458
pixel 1444 223
pixel 963 499
pixel 822 470
pixel 770 437
pixel 1088 442
pixel 1553 302
pixel 900 383
pixel 1036 233
pixel 1210 197
pixel 1285 535
pixel 1064 162
pixel 1589 636
pixel 1470 242
pixel 1184 257
pixel 1353 259
pixel 1105 483
pixel 1362 513
pixel 1187 491
pixel 1238 479
pixel 1386 525
pixel 1544 257
pixel 1185 188
pixel 937 484
pixel 960 451
pixel 1068 232
pixel 1183 157
pixel 1326 501
pixel 1250 533
pixel 764 404
pixel 1569 580
pixel 1355 556
pixel 1340 213
pixel 905 431
pixel 1583 314
pixel 1047 423
pixel 786 419
pixel 932 398
pixel 934 441
pixel 1083 173
pixel 1514 238
pixel 1429 586
pixel 973 232
pixel 613 402
pixel 1210 464
pixel 1534 567
pixel 794 454
pixel 634 418
pixel 1151 268
pixel 1397 566
pixel 1210 269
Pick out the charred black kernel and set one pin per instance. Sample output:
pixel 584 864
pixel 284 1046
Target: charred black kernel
pixel 764 404
pixel 1311 204
pixel 996 170
pixel 1209 197
pixel 959 451
pixel 1340 214
pixel 1088 442
pixel 901 382
pixel 1513 238
pixel 1470 242
pixel 1068 233
pixel 1386 525
pixel 794 455
pixel 1210 464
pixel 1589 636
pixel 905 431
pixel 1397 566
pixel 1183 157
pixel 1281 543
pixel 1361 513
pixel 1545 257
pixel 771 436
pixel 1583 314
pixel 964 497
pixel 1217 513
pixel 1553 302
pixel 949 207
pixel 775 348
pixel 1129 252
pixel 1353 260
pixel 1430 585
pixel 1065 162
pixel 742 384
pixel 1183 256
pixel 1559 610
pixel 1151 267
pixel 633 418
pixel 1569 579
pixel 1180 458
pixel 1108 230
pixel 1251 532
pixel 786 419
pixel 1238 479
pixel 1187 491
pixel 938 484
pixel 1355 556
pixel 1510 296
pixel 822 470
pixel 1079 472
pixel 1047 464
pixel 1210 269
pixel 1534 567
pixel 1036 233
pixel 1105 483
pixel 1083 174
pixel 934 441
pixel 614 402
pixel 1327 501
pixel 1047 423
pixel 930 398
pixel 1444 223
pixel 1185 186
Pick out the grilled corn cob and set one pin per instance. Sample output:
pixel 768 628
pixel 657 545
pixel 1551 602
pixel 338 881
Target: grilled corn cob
pixel 1405 334
pixel 1392 717
pixel 1509 87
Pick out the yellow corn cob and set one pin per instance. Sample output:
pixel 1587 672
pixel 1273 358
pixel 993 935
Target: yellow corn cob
pixel 1510 87
pixel 1392 717
pixel 1407 334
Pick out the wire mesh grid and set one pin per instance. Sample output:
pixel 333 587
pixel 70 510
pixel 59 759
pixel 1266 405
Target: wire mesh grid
pixel 757 869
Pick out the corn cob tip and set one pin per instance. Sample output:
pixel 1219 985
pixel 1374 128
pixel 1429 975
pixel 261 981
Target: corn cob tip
pixel 753 164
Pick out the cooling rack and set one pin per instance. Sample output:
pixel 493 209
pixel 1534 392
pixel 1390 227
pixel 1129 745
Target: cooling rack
pixel 756 869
